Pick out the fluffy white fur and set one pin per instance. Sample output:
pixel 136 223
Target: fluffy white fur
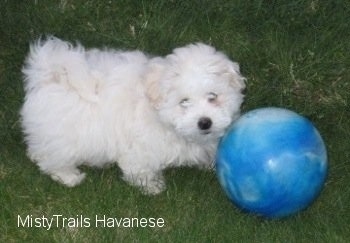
pixel 144 113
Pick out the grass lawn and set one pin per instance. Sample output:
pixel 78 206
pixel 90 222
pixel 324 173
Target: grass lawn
pixel 295 54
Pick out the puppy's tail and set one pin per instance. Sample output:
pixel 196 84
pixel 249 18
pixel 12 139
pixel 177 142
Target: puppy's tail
pixel 53 61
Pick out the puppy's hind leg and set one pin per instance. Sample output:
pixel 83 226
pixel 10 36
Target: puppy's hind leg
pixel 69 176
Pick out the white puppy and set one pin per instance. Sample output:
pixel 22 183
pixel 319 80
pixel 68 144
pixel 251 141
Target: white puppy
pixel 96 107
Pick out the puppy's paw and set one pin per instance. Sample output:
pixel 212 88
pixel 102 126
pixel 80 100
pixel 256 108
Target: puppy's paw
pixel 149 183
pixel 207 166
pixel 153 187
pixel 68 177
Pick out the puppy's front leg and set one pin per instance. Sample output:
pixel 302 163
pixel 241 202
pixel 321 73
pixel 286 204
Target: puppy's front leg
pixel 210 165
pixel 150 182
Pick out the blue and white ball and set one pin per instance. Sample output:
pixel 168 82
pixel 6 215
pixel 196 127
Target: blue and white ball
pixel 272 162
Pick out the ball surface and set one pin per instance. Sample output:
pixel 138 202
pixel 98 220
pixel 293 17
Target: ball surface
pixel 272 162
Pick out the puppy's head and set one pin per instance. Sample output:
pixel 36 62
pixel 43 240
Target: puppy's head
pixel 196 91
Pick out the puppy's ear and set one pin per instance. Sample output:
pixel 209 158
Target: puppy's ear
pixel 152 82
pixel 236 79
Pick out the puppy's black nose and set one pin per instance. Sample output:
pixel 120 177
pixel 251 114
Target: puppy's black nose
pixel 204 123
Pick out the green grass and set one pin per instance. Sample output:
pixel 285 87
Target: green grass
pixel 295 54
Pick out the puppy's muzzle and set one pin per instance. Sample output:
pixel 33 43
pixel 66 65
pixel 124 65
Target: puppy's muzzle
pixel 204 123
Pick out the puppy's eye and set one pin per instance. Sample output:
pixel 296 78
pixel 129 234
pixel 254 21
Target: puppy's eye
pixel 185 102
pixel 212 97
